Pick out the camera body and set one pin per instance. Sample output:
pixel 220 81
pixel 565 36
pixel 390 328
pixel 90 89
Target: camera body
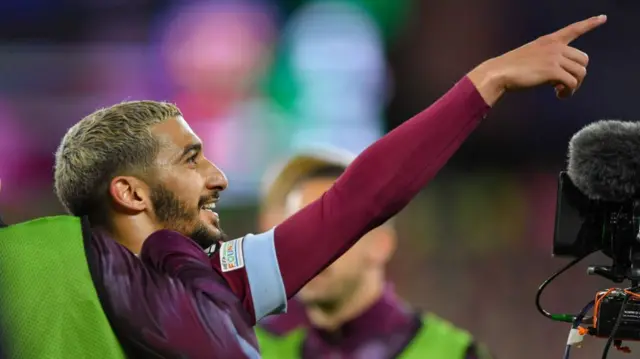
pixel 584 226
pixel 606 311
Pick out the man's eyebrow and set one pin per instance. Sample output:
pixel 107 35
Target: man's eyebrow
pixel 190 148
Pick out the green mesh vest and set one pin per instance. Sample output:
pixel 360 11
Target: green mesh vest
pixel 436 339
pixel 49 307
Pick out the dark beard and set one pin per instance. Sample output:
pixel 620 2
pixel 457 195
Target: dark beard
pixel 176 215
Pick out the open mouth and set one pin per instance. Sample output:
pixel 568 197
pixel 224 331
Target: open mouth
pixel 208 214
pixel 209 207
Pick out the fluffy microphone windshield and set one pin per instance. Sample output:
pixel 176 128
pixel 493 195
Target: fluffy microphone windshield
pixel 604 160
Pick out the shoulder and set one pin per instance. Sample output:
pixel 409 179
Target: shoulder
pixel 437 337
pixel 435 323
pixel 440 335
pixel 478 350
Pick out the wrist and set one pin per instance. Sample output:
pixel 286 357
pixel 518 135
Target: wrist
pixel 489 83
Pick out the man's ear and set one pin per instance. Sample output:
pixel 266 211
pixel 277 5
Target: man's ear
pixel 130 194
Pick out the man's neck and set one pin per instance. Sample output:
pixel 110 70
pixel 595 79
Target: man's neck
pixel 349 308
pixel 130 233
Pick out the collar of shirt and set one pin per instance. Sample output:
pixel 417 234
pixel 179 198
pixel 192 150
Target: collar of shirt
pixel 389 315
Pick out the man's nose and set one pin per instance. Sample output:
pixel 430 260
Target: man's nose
pixel 217 179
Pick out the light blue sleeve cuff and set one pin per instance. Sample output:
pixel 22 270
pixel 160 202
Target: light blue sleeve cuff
pixel 267 288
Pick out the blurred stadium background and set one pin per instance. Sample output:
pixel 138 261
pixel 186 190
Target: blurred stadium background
pixel 258 79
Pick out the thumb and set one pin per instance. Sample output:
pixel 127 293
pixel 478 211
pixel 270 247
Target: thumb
pixel 562 91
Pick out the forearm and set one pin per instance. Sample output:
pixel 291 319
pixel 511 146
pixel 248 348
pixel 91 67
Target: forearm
pixel 378 184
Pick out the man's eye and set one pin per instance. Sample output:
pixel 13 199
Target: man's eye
pixel 193 159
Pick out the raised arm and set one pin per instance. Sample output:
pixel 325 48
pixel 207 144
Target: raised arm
pixel 378 184
pixel 265 270
pixel 388 174
pixel 272 266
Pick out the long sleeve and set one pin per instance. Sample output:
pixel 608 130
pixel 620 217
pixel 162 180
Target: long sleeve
pixel 264 270
pixel 378 184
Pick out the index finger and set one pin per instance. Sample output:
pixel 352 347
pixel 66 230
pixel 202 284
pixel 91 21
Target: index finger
pixel 570 33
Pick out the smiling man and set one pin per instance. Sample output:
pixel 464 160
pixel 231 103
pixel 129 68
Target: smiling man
pixel 155 163
pixel 137 172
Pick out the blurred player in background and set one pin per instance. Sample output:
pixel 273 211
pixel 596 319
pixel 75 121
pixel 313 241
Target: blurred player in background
pixel 349 310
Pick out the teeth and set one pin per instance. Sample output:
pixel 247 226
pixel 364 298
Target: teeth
pixel 209 207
